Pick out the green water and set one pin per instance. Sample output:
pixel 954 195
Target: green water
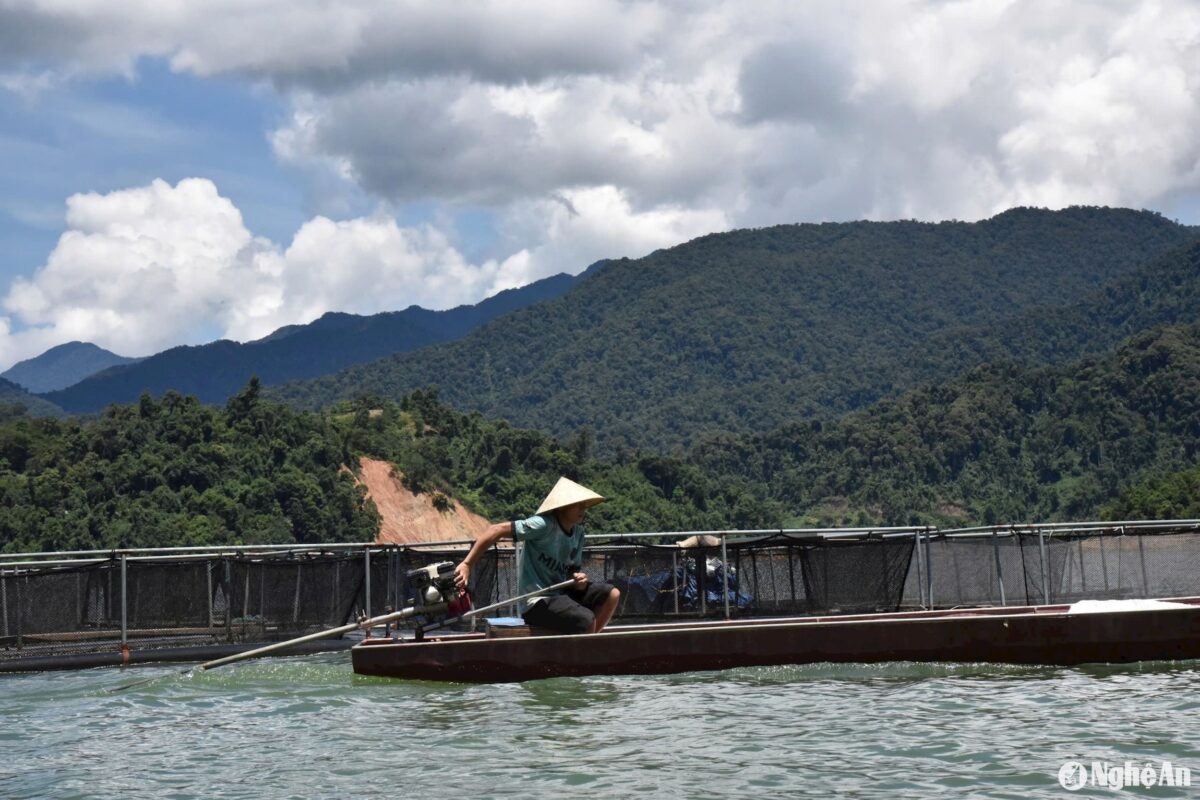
pixel 308 727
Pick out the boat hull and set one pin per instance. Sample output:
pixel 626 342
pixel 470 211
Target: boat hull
pixel 1030 635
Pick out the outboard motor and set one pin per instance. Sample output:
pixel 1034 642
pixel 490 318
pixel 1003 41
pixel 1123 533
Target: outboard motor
pixel 433 589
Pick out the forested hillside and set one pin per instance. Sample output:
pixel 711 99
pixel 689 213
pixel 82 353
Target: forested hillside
pixel 15 402
pixel 172 471
pixel 1002 443
pixel 754 329
pixel 1161 291
pixel 1117 434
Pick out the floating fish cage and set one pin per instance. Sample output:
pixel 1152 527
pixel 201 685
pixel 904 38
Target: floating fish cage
pixel 94 608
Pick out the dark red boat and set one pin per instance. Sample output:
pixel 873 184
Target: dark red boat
pixel 1057 635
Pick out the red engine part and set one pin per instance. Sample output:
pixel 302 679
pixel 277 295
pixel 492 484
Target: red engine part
pixel 459 605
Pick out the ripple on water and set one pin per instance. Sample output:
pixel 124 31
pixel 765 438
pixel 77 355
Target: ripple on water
pixel 309 727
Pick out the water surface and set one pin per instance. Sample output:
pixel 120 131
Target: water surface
pixel 308 727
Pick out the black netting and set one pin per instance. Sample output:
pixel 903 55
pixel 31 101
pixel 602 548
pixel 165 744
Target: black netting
pixel 59 600
pixel 846 577
pixel 967 571
pixel 1120 565
pixel 770 580
pixel 764 577
pixel 292 595
pixel 169 595
pixel 272 596
pixel 647 577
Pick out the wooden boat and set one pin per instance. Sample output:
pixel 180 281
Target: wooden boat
pixel 1012 635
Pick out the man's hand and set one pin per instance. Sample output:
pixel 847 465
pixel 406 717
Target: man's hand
pixel 581 580
pixel 462 574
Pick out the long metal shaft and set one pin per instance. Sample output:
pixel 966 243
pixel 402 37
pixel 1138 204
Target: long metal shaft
pixel 383 619
pixel 277 646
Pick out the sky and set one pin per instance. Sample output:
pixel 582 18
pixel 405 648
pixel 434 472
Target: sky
pixel 173 172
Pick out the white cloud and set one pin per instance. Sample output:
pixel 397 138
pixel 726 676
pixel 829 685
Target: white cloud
pixel 583 226
pixel 137 270
pixel 777 113
pixel 765 112
pixel 330 44
pixel 143 269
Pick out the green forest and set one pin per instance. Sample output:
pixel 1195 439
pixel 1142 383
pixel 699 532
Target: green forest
pixel 173 471
pixel 1003 443
pixel 1116 435
pixel 176 472
pixel 1039 366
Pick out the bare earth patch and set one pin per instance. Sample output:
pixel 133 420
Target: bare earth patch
pixel 409 517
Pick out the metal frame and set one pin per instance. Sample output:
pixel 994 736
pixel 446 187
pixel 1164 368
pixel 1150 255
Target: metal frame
pixel 20 565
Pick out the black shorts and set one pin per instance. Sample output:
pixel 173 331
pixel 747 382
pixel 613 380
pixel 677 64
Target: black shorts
pixel 572 612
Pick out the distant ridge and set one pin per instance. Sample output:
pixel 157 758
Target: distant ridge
pixel 12 395
pixel 214 372
pixel 62 366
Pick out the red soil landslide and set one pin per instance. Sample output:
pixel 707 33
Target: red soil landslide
pixel 408 517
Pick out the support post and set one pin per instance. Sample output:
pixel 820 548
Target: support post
pixel 928 571
pixel 208 577
pixel 1082 569
pixel 367 581
pixel 999 569
pixel 674 576
pixel 920 569
pixel 792 574
pixel 1142 556
pixel 296 598
pixel 1045 568
pixel 20 608
pixel 725 574
pixel 124 604
pixel 228 601
pixel 1103 564
pixel 4 602
pixel 392 601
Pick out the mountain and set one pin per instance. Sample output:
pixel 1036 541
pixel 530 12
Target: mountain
pixel 62 366
pixel 215 371
pixel 753 329
pixel 1001 443
pixel 15 401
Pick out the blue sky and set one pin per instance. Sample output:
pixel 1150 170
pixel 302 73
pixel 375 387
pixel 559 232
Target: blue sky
pixel 174 173
pixel 113 132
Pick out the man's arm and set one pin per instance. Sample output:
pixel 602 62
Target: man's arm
pixel 462 573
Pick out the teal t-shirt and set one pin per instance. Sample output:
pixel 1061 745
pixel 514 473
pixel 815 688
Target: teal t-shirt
pixel 549 552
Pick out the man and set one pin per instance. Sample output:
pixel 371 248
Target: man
pixel 553 541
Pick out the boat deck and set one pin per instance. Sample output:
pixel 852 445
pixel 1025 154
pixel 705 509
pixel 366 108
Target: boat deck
pixel 1024 635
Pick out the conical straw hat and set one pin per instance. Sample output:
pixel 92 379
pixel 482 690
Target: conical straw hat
pixel 568 493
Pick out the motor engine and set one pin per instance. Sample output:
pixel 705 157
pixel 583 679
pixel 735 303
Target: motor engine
pixel 433 586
